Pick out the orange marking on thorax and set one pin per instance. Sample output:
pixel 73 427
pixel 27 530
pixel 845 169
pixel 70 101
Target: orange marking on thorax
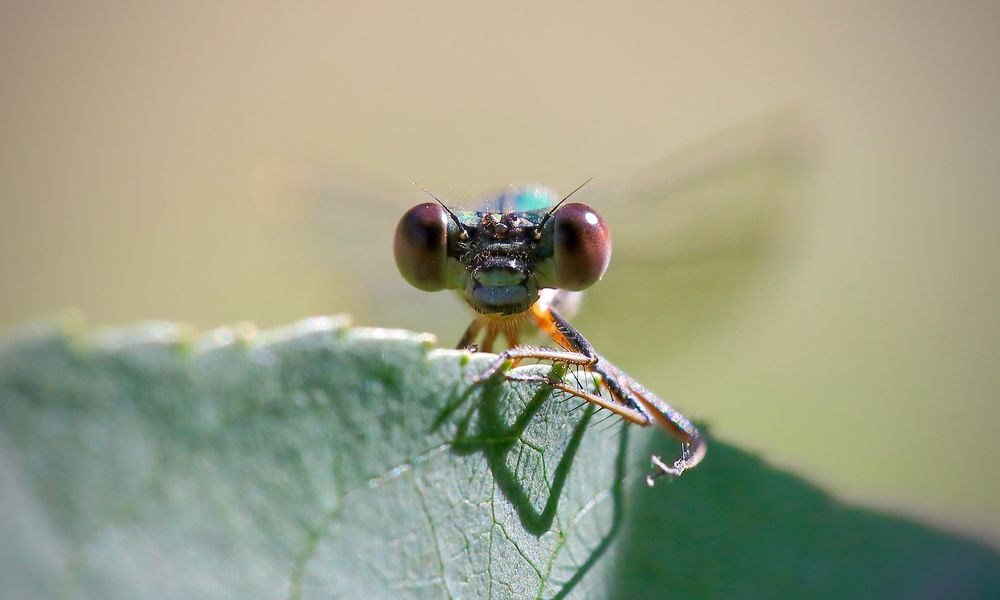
pixel 543 318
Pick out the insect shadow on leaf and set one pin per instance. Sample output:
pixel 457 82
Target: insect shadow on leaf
pixel 483 428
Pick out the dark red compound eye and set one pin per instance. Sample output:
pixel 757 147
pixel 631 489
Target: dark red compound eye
pixel 582 246
pixel 421 246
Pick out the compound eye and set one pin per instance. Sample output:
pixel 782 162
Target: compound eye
pixel 582 247
pixel 421 246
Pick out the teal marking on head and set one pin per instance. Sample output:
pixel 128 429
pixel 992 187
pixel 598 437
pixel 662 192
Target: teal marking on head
pixel 521 198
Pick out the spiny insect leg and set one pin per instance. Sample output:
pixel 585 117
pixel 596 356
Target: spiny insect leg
pixel 693 443
pixel 619 409
pixel 523 352
pixel 629 396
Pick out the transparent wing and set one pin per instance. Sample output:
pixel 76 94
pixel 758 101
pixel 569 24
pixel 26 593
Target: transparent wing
pixel 344 225
pixel 692 237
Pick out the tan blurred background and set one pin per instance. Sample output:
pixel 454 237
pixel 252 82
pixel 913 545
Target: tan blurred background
pixel 154 160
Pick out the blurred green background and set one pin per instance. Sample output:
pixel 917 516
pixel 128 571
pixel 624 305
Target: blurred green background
pixel 182 161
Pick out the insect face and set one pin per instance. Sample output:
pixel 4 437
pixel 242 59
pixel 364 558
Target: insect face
pixel 500 257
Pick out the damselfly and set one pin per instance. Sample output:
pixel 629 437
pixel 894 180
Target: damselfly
pixel 518 259
pixel 694 233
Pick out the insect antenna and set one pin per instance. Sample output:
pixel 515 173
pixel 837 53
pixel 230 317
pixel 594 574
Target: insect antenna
pixel 549 214
pixel 448 210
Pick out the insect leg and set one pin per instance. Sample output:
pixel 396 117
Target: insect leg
pixel 566 335
pixel 489 338
pixel 523 352
pixel 631 398
pixel 545 317
pixel 470 334
pixel 625 412
pixel 693 444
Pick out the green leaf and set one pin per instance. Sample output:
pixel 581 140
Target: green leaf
pixel 314 460
pixel 320 460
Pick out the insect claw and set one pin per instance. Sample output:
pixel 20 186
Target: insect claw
pixel 671 471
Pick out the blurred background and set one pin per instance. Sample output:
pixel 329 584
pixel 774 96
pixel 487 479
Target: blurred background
pixel 802 197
